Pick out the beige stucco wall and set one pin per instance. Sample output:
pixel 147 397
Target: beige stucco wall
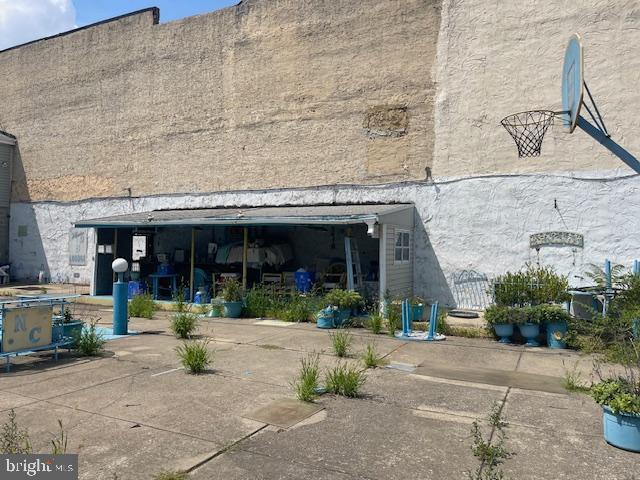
pixel 502 57
pixel 266 94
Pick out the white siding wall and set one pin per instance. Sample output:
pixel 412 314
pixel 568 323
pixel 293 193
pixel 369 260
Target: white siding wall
pixel 399 275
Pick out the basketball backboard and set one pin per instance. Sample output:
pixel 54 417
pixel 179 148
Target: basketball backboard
pixel 572 82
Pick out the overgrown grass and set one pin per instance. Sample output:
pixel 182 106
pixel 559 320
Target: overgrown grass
pixel 195 356
pixel 371 358
pixel 345 380
pixel 572 379
pixel 265 301
pixel 89 342
pixel 142 306
pixel 449 330
pixel 170 475
pixel 183 324
pixel 15 440
pixel 375 323
pixel 306 383
pixel 394 318
pixel 341 342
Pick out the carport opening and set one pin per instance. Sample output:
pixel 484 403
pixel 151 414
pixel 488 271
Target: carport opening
pixel 274 253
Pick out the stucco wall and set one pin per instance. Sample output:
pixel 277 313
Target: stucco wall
pixel 479 223
pixel 498 58
pixel 265 94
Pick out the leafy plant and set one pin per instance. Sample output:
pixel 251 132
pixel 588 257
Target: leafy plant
pixel 183 324
pixel 142 306
pixel 232 290
pixel 299 308
pixel 89 342
pixel 345 380
pixel 622 393
pixel 195 356
pixel 375 322
pixel 394 317
pixel 499 315
pixel 170 475
pixel 259 301
pixel 179 300
pixel 598 276
pixel 14 440
pixel 306 384
pixel 341 342
pixel 532 286
pixel 68 316
pixel 343 299
pixel 490 452
pixel 371 358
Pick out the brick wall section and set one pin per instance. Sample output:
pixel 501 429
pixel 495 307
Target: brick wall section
pixel 265 94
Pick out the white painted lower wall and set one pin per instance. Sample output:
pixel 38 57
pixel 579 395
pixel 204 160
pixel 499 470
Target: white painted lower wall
pixel 480 223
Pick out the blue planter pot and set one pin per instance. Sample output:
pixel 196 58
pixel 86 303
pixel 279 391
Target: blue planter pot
pixel 342 317
pixel 556 334
pixel 72 329
pixel 504 331
pixel 417 312
pixel 530 332
pixel 232 309
pixel 57 332
pixel 621 430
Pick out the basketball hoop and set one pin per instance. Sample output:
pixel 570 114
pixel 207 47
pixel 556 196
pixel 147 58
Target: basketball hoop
pixel 528 129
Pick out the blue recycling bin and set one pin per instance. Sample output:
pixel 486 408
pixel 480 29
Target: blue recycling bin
pixel 304 280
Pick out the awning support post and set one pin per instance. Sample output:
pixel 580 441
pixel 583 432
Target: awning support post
pixel 193 262
pixel 245 256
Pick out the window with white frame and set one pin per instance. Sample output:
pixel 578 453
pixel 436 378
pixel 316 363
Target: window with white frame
pixel 403 247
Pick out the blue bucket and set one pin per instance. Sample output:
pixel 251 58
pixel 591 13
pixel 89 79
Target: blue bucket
pixel 621 430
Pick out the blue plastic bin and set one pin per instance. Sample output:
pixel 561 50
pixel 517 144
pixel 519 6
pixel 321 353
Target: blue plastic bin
pixel 304 280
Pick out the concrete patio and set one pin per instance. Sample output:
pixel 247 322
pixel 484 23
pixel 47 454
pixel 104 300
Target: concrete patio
pixel 133 411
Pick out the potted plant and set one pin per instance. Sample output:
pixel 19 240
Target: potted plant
pixel 232 298
pixel 529 325
pixel 620 401
pixel 556 319
pixel 501 319
pixel 417 309
pixel 345 301
pixel 215 311
pixel 68 327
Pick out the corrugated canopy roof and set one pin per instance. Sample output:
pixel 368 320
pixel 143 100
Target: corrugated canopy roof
pixel 317 214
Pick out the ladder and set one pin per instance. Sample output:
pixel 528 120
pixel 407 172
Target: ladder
pixel 355 280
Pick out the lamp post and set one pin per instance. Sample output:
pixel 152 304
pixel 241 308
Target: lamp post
pixel 120 300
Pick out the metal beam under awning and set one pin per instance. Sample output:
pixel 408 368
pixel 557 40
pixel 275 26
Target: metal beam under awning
pixel 305 215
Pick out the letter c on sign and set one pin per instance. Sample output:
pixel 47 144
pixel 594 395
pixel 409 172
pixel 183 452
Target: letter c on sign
pixel 32 335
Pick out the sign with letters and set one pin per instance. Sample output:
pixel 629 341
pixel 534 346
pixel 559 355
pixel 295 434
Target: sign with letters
pixel 27 327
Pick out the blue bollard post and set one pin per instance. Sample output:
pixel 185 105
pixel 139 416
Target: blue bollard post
pixel 433 322
pixel 120 298
pixel 607 273
pixel 405 319
pixel 636 267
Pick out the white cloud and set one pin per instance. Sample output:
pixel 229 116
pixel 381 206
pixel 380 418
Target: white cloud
pixel 25 20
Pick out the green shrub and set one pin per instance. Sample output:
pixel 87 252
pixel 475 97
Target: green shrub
pixel 343 299
pixel 306 384
pixel 183 324
pixel 498 315
pixel 341 342
pixel 89 342
pixel 170 475
pixel 142 306
pixel 371 358
pixel 232 290
pixel 299 308
pixel 345 380
pixel 532 286
pixel 195 356
pixel 180 305
pixel 618 394
pixel 259 301
pixel 375 322
pixel 394 317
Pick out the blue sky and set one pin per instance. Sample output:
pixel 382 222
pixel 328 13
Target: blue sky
pixel 91 11
pixel 25 20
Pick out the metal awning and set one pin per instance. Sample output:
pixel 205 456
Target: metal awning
pixel 307 215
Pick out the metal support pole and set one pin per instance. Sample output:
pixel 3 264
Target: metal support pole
pixel 193 262
pixel 245 255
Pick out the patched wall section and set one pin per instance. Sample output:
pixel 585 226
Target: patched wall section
pixel 265 94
